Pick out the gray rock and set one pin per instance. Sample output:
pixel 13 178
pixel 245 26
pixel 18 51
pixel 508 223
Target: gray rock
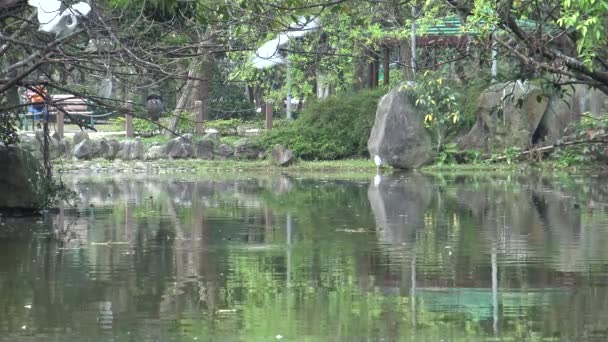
pixel 32 145
pixel 131 150
pixel 21 179
pixel 114 148
pixel 156 152
pixel 61 148
pixel 246 149
pixel 398 135
pixel 509 115
pixel 223 151
pixel 180 147
pixel 80 136
pixel 282 156
pixel 213 137
pixel 87 149
pixel 204 149
pixel 567 108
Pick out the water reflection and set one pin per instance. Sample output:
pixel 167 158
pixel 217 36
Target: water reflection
pixel 404 257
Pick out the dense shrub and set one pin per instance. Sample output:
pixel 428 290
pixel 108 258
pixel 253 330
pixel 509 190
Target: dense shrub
pixel 333 128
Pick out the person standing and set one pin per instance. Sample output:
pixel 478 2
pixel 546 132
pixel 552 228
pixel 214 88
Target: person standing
pixel 37 99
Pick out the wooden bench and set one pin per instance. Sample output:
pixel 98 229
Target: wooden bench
pixel 71 104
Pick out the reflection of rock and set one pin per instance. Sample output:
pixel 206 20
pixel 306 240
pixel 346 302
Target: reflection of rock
pixel 398 204
pixel 281 184
pixel 516 219
pixel 399 136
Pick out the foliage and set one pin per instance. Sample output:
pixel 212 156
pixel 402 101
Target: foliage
pixel 8 129
pixel 588 19
pixel 334 128
pixel 588 128
pixel 224 127
pixel 434 93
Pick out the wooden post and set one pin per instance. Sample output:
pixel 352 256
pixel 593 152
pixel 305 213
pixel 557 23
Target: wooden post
pixel 268 112
pixel 387 65
pixel 198 109
pixel 59 127
pixel 370 74
pixel 129 120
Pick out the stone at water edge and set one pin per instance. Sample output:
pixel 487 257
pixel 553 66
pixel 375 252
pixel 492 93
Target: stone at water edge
pixel 282 156
pixel 21 179
pixel 398 135
pixel 180 147
pixel 131 150
pixel 246 149
pixel 80 136
pixel 223 151
pixel 204 149
pixel 213 137
pixel 87 149
pixel 156 152
pixel 114 148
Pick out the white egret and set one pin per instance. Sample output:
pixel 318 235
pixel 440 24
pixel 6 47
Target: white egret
pixel 53 20
pixel 378 161
pixel 378 177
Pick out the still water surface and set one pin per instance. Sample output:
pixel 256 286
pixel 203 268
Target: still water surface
pixel 266 258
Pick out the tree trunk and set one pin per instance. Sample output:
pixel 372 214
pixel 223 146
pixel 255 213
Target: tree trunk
pixel 183 101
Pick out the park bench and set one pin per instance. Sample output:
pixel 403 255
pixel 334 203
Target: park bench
pixel 76 107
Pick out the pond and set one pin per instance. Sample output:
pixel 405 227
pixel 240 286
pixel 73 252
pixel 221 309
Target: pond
pixel 406 257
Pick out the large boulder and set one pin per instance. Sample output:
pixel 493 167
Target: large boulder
pixel 21 179
pixel 113 149
pixel 61 148
pixel 398 136
pixel 87 149
pixel 80 136
pixel 131 150
pixel 30 144
pixel 508 116
pixel 565 108
pixel 156 152
pixel 246 149
pixel 180 147
pixel 223 151
pixel 282 156
pixel 215 137
pixel 204 149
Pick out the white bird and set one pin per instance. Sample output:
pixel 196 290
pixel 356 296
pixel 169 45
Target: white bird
pixel 268 55
pixel 378 161
pixel 53 20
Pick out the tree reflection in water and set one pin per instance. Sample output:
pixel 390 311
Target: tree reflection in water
pixel 412 257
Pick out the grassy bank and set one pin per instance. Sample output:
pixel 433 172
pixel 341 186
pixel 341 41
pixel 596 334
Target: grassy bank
pixel 364 166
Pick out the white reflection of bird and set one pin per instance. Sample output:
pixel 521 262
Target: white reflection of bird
pixel 378 177
pixel 53 20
